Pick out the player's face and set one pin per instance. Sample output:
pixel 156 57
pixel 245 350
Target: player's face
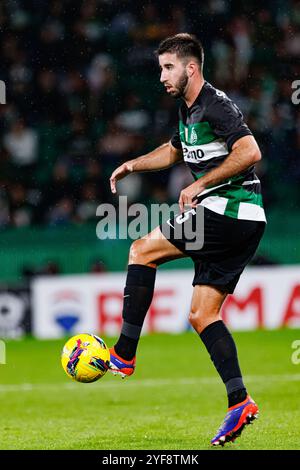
pixel 173 74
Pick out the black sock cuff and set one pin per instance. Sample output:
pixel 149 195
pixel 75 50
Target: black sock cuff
pixel 130 330
pixel 213 333
pixel 140 275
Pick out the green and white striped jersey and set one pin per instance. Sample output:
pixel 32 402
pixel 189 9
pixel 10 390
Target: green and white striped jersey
pixel 207 131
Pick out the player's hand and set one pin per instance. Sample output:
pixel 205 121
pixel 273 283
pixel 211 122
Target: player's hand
pixel 188 195
pixel 120 173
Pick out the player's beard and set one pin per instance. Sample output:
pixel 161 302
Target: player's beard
pixel 180 86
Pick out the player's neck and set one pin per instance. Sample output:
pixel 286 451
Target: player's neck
pixel 193 91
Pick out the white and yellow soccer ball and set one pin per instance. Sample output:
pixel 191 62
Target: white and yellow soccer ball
pixel 85 358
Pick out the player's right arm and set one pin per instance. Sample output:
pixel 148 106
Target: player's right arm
pixel 162 157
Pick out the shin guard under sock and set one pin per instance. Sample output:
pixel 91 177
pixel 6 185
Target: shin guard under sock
pixel 138 295
pixel 221 347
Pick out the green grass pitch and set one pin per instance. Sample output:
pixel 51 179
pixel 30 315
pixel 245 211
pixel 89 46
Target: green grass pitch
pixel 175 400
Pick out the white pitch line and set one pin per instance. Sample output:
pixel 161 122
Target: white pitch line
pixel 30 387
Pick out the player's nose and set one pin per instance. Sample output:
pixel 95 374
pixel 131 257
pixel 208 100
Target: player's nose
pixel 162 77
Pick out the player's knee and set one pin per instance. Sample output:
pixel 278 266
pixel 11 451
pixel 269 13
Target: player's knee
pixel 199 319
pixel 136 252
pixel 196 318
pixel 139 253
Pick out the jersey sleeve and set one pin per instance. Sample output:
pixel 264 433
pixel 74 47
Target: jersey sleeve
pixel 226 120
pixel 175 140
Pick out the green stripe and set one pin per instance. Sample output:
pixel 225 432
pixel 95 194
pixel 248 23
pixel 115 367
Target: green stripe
pixel 196 134
pixel 240 195
pixel 236 195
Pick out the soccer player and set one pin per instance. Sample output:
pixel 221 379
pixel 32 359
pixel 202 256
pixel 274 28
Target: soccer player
pixel 220 151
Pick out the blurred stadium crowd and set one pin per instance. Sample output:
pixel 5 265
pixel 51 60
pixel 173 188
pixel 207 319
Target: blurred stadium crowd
pixel 83 95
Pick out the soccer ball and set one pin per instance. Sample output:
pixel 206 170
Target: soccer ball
pixel 85 358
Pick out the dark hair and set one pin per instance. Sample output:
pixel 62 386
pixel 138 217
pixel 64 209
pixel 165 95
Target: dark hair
pixel 184 45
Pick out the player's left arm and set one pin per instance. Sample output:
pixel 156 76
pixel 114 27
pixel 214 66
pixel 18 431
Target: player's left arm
pixel 244 153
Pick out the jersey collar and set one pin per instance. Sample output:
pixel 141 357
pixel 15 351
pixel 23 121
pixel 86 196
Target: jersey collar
pixel 196 99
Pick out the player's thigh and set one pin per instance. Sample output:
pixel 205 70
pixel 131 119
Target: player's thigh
pixel 153 249
pixel 206 304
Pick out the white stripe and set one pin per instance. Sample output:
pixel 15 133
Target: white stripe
pixel 217 148
pixel 246 211
pixel 249 211
pixel 215 203
pixel 214 187
pixel 245 183
pixel 131 382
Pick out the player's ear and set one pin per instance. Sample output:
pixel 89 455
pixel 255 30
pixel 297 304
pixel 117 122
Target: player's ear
pixel 191 68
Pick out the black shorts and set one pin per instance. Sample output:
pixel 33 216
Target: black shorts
pixel 223 248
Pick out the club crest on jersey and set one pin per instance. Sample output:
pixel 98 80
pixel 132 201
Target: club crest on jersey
pixel 193 136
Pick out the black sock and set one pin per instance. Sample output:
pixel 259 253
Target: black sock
pixel 221 347
pixel 237 397
pixel 138 295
